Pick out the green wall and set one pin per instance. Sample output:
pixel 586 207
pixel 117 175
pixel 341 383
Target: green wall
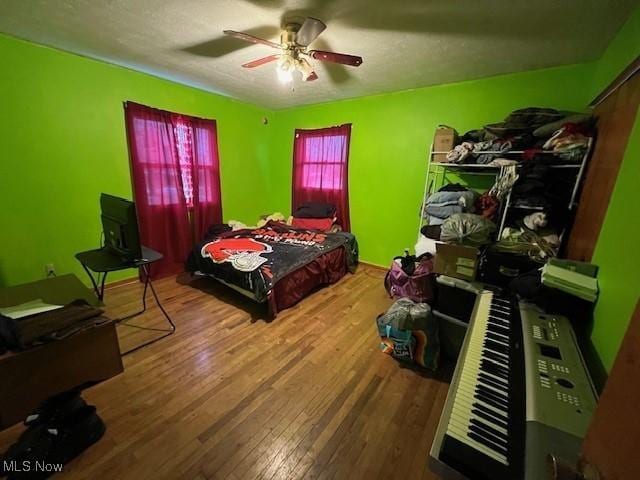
pixel 622 50
pixel 390 141
pixel 64 142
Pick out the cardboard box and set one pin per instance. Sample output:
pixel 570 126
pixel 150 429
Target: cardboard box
pixel 444 140
pixel 456 261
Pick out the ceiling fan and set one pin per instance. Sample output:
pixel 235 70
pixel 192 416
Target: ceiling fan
pixel 294 52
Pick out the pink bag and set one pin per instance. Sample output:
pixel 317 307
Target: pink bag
pixel 417 287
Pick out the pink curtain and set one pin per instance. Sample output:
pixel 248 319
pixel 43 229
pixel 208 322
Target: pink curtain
pixel 175 172
pixel 320 169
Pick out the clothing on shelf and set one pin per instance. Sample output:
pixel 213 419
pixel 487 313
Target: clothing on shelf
pixel 535 220
pixel 503 162
pixel 497 147
pixel 535 154
pixel 467 228
pixel 539 243
pixel 583 119
pixel 487 206
pixel 442 204
pixel 431 231
pixel 460 152
pixel 470 152
pixel 524 120
pixel 505 182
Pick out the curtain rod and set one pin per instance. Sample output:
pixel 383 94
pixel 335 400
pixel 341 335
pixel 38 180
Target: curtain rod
pixel 127 102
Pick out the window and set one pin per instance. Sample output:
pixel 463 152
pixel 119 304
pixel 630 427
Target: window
pixel 320 169
pixel 324 162
pixel 176 179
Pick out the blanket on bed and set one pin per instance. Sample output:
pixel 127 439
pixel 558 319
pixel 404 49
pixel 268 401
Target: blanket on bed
pixel 255 259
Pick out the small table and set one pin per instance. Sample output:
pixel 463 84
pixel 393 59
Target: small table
pixel 103 260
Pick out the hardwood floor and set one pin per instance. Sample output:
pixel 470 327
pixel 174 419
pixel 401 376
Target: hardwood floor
pixel 232 396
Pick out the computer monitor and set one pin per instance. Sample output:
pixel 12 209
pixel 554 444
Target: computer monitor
pixel 120 227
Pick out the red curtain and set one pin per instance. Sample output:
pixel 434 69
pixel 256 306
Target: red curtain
pixel 176 183
pixel 207 203
pixel 320 169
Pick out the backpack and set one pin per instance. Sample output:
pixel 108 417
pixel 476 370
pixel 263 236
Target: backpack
pixel 417 286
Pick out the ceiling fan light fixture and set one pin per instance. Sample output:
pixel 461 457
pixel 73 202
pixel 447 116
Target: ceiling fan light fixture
pixel 294 54
pixel 305 68
pixel 285 76
pixel 286 67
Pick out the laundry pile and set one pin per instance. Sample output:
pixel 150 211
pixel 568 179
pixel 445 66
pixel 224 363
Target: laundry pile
pixel 528 146
pixel 459 214
pixel 533 129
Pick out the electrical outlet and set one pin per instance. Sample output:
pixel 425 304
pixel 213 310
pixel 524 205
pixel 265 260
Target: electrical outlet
pixel 50 270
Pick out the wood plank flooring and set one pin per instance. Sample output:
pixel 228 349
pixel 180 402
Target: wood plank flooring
pixel 232 396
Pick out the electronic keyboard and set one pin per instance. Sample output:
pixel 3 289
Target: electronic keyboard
pixel 520 392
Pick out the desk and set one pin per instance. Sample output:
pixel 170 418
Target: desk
pixel 28 377
pixel 103 260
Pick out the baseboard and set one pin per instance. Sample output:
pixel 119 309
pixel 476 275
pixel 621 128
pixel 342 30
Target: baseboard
pixel 374 265
pixel 119 283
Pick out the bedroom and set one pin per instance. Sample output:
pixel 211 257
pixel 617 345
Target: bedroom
pixel 234 392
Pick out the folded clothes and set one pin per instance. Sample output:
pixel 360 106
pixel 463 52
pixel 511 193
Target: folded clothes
pixel 49 326
pixel 443 204
pixel 464 198
pixel 443 210
pixel 566 138
pixel 497 147
pixel 460 152
pixel 469 152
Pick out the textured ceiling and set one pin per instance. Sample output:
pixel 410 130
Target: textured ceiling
pixel 405 44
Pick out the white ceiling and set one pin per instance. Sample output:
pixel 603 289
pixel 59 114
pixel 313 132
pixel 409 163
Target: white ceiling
pixel 405 44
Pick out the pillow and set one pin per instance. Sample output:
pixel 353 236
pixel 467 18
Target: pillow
pixel 315 210
pixel 323 224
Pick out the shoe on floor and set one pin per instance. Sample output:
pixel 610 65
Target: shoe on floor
pixel 55 407
pixel 59 405
pixel 56 443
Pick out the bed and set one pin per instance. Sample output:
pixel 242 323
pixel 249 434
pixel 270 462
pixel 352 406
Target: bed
pixel 275 264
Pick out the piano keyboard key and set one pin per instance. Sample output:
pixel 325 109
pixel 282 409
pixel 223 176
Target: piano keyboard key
pixel 480 413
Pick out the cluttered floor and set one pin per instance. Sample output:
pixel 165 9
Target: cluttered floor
pixel 230 395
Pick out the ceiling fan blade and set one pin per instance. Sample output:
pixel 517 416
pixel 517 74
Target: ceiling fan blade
pixel 261 61
pixel 311 28
pixel 250 38
pixel 334 57
pixel 312 77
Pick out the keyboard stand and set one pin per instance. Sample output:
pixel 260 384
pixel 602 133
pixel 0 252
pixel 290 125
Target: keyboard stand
pixel 102 261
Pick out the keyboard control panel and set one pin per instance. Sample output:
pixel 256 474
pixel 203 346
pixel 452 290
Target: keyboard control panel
pixel 559 391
